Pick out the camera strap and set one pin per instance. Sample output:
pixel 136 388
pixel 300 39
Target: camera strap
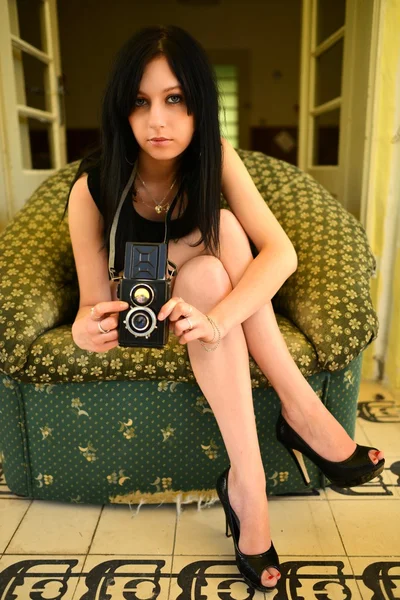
pixel 111 259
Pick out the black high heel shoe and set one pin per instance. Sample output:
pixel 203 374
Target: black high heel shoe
pixel 355 470
pixel 250 566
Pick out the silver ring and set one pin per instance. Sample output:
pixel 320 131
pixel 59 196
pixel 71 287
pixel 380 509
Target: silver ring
pixel 190 311
pixel 190 324
pixel 101 329
pixel 92 313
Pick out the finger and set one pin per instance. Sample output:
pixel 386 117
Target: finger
pixel 181 309
pixel 183 325
pixel 107 337
pixel 191 335
pixel 110 322
pixel 105 347
pixel 102 308
pixel 168 307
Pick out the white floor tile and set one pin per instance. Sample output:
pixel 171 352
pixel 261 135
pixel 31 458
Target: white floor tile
pixel 360 436
pixel 308 529
pixel 120 576
pixel 55 528
pixel 40 576
pixel 212 577
pixel 310 577
pixel 393 470
pixel 302 577
pixel 382 487
pixel 150 532
pixel 369 391
pixel 202 532
pixel 377 578
pixel 11 514
pixel 368 528
pixel 384 436
pixel 301 527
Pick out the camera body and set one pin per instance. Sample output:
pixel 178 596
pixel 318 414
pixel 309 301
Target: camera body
pixel 146 287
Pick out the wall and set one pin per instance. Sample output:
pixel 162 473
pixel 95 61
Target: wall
pixel 92 31
pixel 382 358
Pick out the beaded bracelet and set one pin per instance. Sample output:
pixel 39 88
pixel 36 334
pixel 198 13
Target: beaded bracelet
pixel 215 328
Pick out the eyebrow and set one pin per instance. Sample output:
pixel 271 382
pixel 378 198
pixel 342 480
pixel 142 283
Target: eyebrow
pixel 174 87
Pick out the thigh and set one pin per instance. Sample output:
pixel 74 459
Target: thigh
pixel 180 251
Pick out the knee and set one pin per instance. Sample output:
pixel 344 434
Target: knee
pixel 203 277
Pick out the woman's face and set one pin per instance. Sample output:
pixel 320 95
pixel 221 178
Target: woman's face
pixel 157 113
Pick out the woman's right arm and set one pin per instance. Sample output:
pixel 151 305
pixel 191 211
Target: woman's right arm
pixel 86 231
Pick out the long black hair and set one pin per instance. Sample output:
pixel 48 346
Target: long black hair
pixel 200 165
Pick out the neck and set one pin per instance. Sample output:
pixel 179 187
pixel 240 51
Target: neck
pixel 157 172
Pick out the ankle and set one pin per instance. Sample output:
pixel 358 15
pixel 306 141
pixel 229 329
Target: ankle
pixel 248 479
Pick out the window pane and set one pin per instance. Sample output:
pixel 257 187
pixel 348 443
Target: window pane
pixel 330 18
pixel 34 74
pixel 228 86
pixel 328 74
pixel 36 144
pixel 227 78
pixel 228 116
pixel 30 20
pixel 229 71
pixel 326 138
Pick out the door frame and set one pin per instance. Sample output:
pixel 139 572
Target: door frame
pixel 359 50
pixel 19 181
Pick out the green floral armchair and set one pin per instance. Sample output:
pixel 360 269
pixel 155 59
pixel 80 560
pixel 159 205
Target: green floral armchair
pixel 131 425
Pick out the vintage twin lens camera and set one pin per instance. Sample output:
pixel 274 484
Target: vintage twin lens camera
pixel 146 286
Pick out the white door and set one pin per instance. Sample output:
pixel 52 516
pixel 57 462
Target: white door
pixel 336 52
pixel 32 117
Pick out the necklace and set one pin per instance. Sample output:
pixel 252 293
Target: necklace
pixel 158 205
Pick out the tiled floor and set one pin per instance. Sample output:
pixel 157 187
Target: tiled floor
pixel 333 545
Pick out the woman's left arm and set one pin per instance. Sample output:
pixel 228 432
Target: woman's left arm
pixel 277 258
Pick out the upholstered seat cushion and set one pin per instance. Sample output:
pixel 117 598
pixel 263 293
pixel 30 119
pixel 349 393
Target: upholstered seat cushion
pixel 329 318
pixel 53 358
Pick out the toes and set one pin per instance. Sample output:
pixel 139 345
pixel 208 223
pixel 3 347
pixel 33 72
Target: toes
pixel 270 577
pixel 375 456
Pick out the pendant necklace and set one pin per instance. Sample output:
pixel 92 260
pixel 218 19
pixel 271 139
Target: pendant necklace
pixel 158 205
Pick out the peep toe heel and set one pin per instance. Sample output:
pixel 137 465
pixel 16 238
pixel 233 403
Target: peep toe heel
pixel 251 566
pixel 355 470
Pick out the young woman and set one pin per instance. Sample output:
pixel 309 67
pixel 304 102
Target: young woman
pixel 162 86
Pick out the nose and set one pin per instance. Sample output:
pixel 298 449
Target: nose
pixel 156 116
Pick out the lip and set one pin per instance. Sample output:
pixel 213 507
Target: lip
pixel 155 142
pixel 161 139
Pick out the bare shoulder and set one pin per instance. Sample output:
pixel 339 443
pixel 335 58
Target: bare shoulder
pixel 80 188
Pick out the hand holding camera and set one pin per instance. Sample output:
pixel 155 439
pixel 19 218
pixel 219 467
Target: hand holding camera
pixel 186 322
pixel 96 329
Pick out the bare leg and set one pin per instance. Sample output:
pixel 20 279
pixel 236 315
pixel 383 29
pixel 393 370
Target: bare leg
pixel 300 405
pixel 224 378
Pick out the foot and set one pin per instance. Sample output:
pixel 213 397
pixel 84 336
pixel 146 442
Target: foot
pixel 320 430
pixel 251 508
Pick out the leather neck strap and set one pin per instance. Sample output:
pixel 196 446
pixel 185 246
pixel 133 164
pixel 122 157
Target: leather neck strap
pixel 111 258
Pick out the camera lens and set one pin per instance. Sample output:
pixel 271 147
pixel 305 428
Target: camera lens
pixel 142 294
pixel 140 321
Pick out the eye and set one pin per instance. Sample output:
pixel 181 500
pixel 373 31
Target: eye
pixel 172 96
pixel 175 96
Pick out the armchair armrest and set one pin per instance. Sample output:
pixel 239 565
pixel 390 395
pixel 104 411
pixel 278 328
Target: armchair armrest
pixel 328 297
pixel 38 283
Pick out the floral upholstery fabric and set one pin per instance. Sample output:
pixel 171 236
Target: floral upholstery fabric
pixel 324 312
pixel 326 302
